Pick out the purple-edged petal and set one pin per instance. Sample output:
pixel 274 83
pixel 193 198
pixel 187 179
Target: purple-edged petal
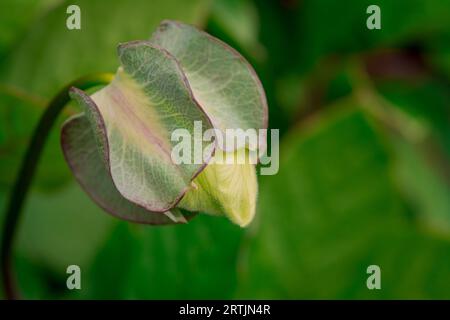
pixel 86 161
pixel 133 119
pixel 223 82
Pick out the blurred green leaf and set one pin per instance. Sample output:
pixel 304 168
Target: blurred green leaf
pixel 339 27
pixel 34 280
pixel 197 261
pixel 339 212
pixel 428 101
pixel 421 160
pixel 426 191
pixel 15 17
pixel 237 20
pixel 62 228
pixel 439 54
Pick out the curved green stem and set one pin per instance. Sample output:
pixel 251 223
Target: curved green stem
pixel 27 170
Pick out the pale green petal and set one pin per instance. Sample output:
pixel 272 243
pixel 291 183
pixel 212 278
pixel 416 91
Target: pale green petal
pixel 224 189
pixel 222 81
pixel 133 118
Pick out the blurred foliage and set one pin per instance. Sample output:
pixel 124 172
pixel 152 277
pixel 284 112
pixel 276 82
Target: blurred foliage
pixel 364 172
pixel 196 260
pixel 342 212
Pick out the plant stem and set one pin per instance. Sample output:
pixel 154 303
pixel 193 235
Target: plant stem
pixel 27 170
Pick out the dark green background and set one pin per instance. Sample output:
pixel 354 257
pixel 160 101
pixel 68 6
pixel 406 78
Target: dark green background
pixel 364 173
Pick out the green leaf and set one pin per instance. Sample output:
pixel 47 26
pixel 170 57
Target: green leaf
pixel 421 164
pixel 423 186
pixel 427 102
pixel 338 213
pixel 402 22
pixel 439 54
pixel 238 21
pixel 15 16
pixel 196 261
pixel 222 81
pixel 60 229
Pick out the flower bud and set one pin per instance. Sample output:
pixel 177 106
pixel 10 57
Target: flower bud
pixel 120 147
